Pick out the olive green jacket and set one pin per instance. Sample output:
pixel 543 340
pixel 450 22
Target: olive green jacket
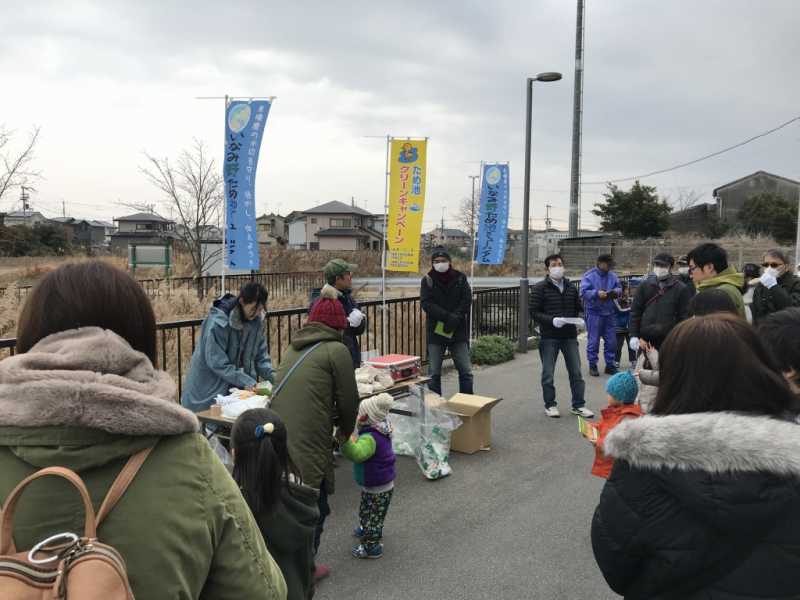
pixel 730 282
pixel 320 393
pixel 86 401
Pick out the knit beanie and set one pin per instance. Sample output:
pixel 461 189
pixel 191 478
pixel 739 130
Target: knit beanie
pixel 375 408
pixel 328 310
pixel 623 387
pixel 440 252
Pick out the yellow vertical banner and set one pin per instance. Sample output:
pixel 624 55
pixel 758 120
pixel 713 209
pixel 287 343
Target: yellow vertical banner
pixel 406 204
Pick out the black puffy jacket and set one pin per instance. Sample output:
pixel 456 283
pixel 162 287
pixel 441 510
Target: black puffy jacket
pixel 784 295
pixel 659 302
pixel 547 302
pixel 701 506
pixel 449 304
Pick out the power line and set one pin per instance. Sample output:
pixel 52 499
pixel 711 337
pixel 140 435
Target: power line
pixel 697 160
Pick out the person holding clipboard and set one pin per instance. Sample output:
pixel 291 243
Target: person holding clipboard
pixel 446 297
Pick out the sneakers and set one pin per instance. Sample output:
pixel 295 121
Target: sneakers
pixel 552 412
pixel 321 572
pixel 583 412
pixel 611 370
pixel 593 371
pixel 362 551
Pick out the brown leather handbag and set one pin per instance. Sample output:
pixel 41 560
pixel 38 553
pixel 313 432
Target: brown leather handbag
pixel 66 566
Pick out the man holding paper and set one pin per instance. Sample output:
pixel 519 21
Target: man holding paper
pixel 555 305
pixel 446 298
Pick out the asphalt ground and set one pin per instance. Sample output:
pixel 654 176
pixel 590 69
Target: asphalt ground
pixel 510 523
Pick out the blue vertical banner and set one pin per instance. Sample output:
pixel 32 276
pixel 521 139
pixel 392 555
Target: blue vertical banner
pixel 244 128
pixel 493 215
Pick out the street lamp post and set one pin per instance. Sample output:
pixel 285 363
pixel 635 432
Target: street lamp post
pixel 523 282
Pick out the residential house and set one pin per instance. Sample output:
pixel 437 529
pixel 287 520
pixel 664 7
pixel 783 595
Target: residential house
pixel 210 233
pixel 272 230
pixel 731 197
pixel 27 218
pixel 451 238
pixel 296 230
pixel 336 226
pixel 85 232
pixel 142 228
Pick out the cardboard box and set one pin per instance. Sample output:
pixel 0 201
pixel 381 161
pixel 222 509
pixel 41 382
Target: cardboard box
pixel 476 431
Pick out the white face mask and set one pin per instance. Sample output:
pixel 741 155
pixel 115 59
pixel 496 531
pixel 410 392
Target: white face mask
pixel 774 272
pixel 683 270
pixel 661 272
pixel 557 273
pixel 441 267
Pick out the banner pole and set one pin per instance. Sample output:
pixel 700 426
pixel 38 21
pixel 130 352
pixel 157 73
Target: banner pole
pixel 474 240
pixel 383 248
pixel 225 202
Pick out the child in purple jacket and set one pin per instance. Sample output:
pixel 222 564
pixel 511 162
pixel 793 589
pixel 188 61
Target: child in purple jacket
pixel 373 457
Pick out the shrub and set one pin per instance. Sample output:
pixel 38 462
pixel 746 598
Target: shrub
pixel 492 350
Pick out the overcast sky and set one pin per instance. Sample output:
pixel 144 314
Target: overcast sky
pixel 665 82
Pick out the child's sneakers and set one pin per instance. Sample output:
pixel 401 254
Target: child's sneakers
pixel 362 551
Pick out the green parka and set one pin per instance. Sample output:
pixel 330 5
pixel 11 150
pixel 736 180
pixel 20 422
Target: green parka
pixel 730 282
pixel 319 394
pixel 86 401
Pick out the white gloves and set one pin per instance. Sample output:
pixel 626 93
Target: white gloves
pixel 768 280
pixel 633 344
pixel 355 317
pixel 558 322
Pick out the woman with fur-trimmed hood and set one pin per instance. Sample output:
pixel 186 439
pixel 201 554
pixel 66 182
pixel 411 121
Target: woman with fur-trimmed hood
pixel 83 393
pixel 703 501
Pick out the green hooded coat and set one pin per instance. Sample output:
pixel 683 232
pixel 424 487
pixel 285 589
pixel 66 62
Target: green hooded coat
pixel 85 400
pixel 730 282
pixel 320 393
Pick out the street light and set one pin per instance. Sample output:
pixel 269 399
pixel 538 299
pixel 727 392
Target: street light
pixel 523 282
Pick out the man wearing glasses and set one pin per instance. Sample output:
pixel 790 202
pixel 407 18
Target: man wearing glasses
pixel 708 265
pixel 778 287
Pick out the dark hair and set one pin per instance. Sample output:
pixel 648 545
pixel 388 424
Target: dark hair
pixel 552 257
pixel 664 258
pixel 778 254
pixel 718 364
pixel 781 332
pixel 654 334
pixel 261 463
pixel 709 254
pixel 88 294
pixel 253 292
pixel 711 302
pixel 606 258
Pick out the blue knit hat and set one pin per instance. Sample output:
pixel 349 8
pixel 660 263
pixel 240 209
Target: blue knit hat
pixel 623 387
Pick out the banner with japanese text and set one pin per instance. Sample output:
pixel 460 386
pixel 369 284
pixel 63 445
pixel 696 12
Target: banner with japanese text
pixel 406 204
pixel 244 128
pixel 493 215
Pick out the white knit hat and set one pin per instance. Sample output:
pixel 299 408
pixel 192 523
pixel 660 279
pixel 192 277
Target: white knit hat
pixel 375 408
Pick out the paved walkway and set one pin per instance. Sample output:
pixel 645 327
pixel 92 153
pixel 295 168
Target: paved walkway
pixel 513 523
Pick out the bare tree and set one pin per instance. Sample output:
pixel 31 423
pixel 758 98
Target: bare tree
pixel 16 168
pixel 193 188
pixel 686 199
pixel 467 217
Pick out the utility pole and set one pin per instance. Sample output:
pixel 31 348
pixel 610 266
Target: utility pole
pixel 547 222
pixel 24 197
pixel 441 229
pixel 577 127
pixel 63 208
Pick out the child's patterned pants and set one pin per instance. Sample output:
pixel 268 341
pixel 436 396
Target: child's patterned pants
pixel 372 514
